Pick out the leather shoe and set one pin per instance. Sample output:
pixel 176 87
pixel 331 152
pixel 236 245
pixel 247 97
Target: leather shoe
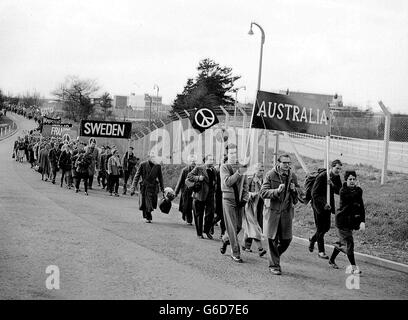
pixel 237 259
pixel 223 247
pixel 323 255
pixel 245 249
pixel 209 236
pixel 275 271
pixel 262 252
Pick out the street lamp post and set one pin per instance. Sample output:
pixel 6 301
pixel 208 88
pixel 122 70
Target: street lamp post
pixel 259 76
pixel 236 102
pixel 157 97
pixel 150 111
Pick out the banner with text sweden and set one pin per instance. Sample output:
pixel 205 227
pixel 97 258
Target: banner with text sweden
pixel 105 129
pixel 281 112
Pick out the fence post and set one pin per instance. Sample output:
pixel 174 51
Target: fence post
pixel 244 118
pixel 387 114
pixel 226 116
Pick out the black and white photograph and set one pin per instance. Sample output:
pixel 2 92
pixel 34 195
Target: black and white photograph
pixel 211 152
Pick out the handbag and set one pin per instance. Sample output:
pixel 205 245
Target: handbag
pixel 165 205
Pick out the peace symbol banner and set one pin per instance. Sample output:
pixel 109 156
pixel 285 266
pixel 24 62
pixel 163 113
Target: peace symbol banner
pixel 203 119
pixel 285 113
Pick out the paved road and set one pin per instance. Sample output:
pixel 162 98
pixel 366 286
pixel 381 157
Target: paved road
pixel 104 250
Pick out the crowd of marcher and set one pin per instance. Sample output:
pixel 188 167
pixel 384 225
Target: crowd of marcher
pixel 261 205
pixel 77 162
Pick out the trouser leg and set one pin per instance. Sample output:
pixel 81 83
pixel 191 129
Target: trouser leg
pixel 147 215
pixel 188 214
pixel 125 180
pixel 233 223
pixel 85 178
pixel 198 207
pixel 283 245
pixel 209 213
pixel 68 176
pixel 116 182
pixel 62 176
pixel 277 247
pixel 334 254
pixel 53 173
pixel 90 180
pixel 110 183
pixel 273 256
pixel 322 222
pixel 77 181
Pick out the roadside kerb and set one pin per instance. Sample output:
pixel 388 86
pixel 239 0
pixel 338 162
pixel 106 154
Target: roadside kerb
pixel 361 256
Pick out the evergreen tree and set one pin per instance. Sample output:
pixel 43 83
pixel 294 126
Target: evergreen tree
pixel 210 88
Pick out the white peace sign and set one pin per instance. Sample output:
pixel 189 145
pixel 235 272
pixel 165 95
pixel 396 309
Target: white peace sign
pixel 207 117
pixel 66 137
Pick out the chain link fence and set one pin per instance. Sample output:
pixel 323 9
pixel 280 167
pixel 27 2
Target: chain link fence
pixel 357 138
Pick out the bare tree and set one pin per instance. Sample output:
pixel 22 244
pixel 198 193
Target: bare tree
pixel 76 94
pixel 106 105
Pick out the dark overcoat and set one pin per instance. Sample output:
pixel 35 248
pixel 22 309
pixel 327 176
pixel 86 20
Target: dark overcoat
pixel 319 192
pixel 206 190
pixel 152 179
pixel 44 162
pixel 186 201
pixel 351 211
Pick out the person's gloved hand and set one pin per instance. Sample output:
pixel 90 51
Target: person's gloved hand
pixel 362 226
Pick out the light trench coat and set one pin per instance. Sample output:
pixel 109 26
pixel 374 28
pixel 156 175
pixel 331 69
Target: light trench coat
pixel 281 209
pixel 250 222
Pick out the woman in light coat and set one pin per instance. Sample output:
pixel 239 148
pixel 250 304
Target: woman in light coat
pixel 114 167
pixel 250 223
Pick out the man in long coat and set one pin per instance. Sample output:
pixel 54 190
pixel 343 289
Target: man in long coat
pixel 321 211
pixel 93 152
pixel 44 162
pixel 203 200
pixel 150 173
pixel 53 157
pixel 186 200
pixel 279 191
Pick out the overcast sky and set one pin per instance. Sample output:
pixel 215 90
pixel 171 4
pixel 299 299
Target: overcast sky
pixel 358 49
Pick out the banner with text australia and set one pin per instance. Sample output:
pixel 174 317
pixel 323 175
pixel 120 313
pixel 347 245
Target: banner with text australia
pixel 105 129
pixel 285 113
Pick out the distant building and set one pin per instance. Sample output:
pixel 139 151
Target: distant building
pixel 143 103
pixel 120 102
pixel 317 97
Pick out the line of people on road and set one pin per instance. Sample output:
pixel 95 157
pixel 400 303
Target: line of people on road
pixel 77 162
pixel 261 205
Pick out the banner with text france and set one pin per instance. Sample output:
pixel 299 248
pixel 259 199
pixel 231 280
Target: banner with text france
pixel 105 129
pixel 285 113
